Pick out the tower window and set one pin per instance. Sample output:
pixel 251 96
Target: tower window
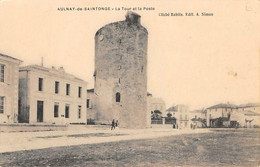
pixel 119 80
pixel 88 103
pixel 117 97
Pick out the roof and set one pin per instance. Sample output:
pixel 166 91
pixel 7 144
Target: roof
pixel 223 105
pixel 6 56
pixel 173 108
pixel 249 105
pixel 60 71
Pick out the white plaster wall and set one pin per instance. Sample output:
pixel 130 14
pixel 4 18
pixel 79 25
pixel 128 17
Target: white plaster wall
pixel 9 89
pixel 49 97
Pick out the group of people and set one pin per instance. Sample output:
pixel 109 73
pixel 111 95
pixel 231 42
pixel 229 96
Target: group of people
pixel 175 126
pixel 114 124
pixel 193 126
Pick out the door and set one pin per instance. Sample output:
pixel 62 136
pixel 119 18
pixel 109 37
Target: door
pixel 39 111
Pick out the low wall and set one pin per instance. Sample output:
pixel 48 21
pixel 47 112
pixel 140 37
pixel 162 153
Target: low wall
pixel 31 127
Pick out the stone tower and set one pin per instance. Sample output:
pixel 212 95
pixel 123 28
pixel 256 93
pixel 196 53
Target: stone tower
pixel 121 73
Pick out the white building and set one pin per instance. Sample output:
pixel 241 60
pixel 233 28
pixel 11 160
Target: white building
pixel 9 76
pixel 155 105
pixel 219 111
pixel 198 118
pixel 92 116
pixel 51 96
pixel 181 114
pixel 247 115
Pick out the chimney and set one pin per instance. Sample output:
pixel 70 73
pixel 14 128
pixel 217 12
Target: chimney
pixel 61 69
pixel 133 18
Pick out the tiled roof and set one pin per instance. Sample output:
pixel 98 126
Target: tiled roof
pixel 59 71
pixel 249 105
pixel 173 108
pixel 222 105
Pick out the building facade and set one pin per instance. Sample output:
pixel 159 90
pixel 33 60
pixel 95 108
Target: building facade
pixel 219 111
pixel 181 114
pixel 121 73
pixel 92 116
pixel 156 105
pixel 247 115
pixel 9 76
pixel 52 96
pixel 198 118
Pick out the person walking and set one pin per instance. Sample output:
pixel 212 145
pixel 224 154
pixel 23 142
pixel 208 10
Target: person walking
pixel 113 124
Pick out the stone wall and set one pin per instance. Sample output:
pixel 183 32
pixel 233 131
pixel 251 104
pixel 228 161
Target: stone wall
pixel 121 67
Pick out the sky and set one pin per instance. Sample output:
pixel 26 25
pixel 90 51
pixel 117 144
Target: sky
pixel 199 61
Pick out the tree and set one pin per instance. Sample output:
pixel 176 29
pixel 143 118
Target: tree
pixel 157 114
pixel 169 115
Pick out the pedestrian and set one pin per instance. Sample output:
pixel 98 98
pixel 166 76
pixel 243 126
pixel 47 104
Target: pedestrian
pixel 113 124
pixel 116 126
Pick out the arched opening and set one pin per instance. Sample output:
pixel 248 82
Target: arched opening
pixel 117 97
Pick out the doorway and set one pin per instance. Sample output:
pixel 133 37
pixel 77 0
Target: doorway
pixel 39 111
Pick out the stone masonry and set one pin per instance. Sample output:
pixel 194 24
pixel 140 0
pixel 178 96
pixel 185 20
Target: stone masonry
pixel 121 73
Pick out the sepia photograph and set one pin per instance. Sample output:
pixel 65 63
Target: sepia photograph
pixel 129 83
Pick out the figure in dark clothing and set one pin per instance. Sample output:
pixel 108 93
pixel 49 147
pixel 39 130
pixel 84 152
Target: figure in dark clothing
pixel 113 124
pixel 116 124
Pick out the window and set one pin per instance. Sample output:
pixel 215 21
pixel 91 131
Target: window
pixel 2 73
pixel 2 104
pixel 79 93
pixel 79 112
pixel 117 97
pixel 88 103
pixel 40 86
pixel 57 87
pixel 119 80
pixel 67 89
pixel 67 111
pixel 56 110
